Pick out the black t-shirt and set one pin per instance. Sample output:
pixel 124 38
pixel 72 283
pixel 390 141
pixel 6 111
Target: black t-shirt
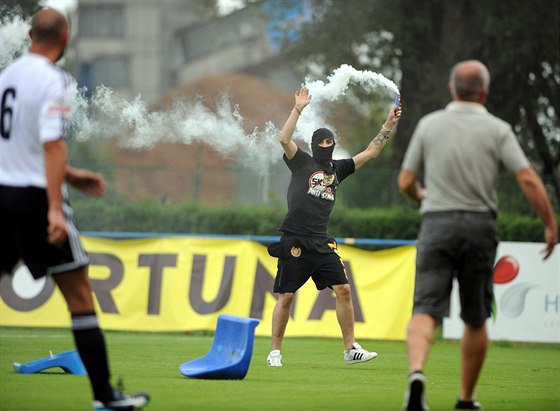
pixel 311 194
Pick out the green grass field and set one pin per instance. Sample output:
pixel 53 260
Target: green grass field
pixel 314 377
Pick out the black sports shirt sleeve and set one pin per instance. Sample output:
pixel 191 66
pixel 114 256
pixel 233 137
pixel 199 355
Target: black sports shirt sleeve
pixel 344 168
pixel 298 161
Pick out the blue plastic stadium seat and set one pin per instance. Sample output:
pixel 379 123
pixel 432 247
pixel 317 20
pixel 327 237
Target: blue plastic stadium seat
pixel 69 361
pixel 231 351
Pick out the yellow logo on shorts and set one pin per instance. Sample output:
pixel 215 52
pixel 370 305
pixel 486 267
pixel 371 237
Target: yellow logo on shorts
pixel 295 251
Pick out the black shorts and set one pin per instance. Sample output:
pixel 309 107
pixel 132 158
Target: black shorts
pixel 300 258
pixel 456 244
pixel 23 234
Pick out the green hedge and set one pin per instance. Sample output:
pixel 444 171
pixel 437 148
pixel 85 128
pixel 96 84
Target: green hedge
pixel 398 223
pixel 185 218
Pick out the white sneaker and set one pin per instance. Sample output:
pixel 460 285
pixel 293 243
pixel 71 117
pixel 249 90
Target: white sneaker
pixel 358 354
pixel 274 359
pixel 123 402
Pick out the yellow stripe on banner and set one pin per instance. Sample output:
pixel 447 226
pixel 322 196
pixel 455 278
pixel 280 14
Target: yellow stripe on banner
pixel 183 284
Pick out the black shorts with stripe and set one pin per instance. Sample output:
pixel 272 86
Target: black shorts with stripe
pixel 300 258
pixel 23 234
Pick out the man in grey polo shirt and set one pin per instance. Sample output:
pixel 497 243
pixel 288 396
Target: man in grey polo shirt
pixel 459 150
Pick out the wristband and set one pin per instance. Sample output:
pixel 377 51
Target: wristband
pixel 386 129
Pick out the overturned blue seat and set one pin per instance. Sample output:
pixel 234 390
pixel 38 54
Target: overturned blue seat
pixel 69 361
pixel 231 351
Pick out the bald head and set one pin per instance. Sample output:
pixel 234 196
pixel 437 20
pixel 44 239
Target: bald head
pixel 49 27
pixel 469 81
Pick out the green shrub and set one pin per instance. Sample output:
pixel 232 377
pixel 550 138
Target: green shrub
pixel 397 223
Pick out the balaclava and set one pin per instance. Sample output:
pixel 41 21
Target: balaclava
pixel 322 155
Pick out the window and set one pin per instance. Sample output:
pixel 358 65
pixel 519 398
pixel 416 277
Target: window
pixel 212 36
pixel 103 20
pixel 113 72
pixel 109 71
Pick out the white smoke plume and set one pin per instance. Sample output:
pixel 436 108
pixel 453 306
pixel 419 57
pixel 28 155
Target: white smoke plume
pixel 135 126
pixel 13 37
pixel 338 83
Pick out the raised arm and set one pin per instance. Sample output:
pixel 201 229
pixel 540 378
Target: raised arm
pixel 379 141
pixel 302 99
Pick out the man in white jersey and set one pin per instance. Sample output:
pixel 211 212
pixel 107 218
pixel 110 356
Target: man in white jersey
pixel 36 224
pixel 460 150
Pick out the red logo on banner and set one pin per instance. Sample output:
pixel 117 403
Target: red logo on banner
pixel 505 270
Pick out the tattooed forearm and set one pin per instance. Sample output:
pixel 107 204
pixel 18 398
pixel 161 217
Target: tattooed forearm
pixel 379 139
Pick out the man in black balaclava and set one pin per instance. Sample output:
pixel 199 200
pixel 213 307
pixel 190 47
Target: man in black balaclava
pixel 305 249
pixel 322 146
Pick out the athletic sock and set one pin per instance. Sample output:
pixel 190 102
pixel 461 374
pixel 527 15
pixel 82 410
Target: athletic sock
pixel 90 343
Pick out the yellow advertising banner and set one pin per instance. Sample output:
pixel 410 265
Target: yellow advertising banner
pixel 183 284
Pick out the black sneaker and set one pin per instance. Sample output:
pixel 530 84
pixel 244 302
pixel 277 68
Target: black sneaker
pixel 123 402
pixel 468 405
pixel 414 398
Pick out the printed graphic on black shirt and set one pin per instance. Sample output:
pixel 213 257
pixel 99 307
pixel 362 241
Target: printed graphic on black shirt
pixel 320 185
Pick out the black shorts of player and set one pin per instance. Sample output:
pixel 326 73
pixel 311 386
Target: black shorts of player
pixel 300 258
pixel 461 245
pixel 23 234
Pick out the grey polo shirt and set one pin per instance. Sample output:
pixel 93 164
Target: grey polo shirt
pixel 460 150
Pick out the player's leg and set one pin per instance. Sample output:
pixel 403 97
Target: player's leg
pixel 420 334
pixel 280 317
pixel 291 275
pixel 67 263
pixel 432 290
pixel 474 346
pixel 475 278
pixel 353 352
pixel 90 342
pixel 345 313
pixel 89 339
pixel 330 272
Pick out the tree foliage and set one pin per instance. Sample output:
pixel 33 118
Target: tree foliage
pixel 518 41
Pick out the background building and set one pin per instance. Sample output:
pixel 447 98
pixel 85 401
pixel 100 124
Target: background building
pixel 169 49
pixel 149 47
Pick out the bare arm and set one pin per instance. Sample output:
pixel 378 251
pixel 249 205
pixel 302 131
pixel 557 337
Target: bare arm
pixel 410 186
pixel 87 181
pixel 302 99
pixel 533 188
pixel 55 167
pixel 379 141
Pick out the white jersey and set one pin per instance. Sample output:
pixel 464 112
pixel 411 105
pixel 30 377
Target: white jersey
pixel 36 100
